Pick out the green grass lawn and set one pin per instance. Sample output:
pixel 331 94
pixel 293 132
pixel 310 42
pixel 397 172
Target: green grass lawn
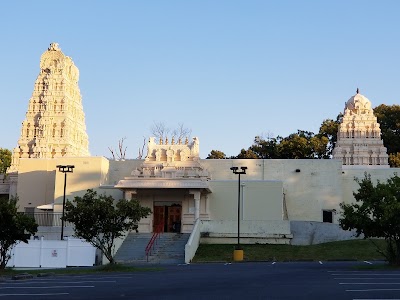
pixel 342 250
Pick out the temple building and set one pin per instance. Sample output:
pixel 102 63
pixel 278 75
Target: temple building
pixel 281 200
pixel 359 140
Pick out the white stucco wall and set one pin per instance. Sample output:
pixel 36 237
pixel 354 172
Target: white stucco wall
pixel 251 232
pixel 317 185
pixel 349 184
pixel 262 200
pixel 36 182
pixel 40 182
pixel 120 169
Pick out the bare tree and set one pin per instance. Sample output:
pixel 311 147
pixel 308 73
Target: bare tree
pixel 112 152
pixel 181 132
pixel 120 155
pixel 159 130
pixel 267 136
pixel 141 151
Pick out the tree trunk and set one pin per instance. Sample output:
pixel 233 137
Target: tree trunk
pixel 3 259
pixel 110 258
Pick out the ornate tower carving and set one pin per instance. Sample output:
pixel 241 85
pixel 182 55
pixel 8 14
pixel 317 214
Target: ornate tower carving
pixel 55 122
pixel 359 138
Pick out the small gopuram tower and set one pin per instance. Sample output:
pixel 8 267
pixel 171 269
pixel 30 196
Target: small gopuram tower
pixel 171 161
pixel 55 122
pixel 172 182
pixel 359 140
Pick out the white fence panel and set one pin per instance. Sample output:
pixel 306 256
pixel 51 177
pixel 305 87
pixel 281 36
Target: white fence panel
pixel 27 255
pixel 52 254
pixel 80 253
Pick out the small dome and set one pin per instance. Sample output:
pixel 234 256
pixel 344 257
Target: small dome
pixel 357 102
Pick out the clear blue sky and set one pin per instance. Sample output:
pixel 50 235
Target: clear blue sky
pixel 229 70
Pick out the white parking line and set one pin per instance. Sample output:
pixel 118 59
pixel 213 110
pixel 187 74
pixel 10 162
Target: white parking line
pixel 52 294
pixel 367 274
pixel 373 290
pixel 374 283
pixel 343 271
pixel 107 277
pixel 358 278
pixel 130 275
pixel 64 282
pixel 47 287
pixel 75 277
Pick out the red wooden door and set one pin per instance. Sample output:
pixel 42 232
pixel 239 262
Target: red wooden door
pixel 174 218
pixel 159 217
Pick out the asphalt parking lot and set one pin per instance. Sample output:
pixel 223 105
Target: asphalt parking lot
pixel 267 280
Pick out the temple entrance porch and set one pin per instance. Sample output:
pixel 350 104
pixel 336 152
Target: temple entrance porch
pixel 171 172
pixel 176 209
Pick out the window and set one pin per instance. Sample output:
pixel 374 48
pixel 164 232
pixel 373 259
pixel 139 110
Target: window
pixel 30 211
pixel 327 216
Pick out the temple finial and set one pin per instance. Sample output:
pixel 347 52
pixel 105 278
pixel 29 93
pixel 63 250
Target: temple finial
pixel 358 91
pixel 54 47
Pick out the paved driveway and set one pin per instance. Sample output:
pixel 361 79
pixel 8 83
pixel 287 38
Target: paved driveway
pixel 292 280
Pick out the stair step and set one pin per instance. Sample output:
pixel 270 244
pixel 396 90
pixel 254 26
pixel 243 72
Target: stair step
pixel 168 248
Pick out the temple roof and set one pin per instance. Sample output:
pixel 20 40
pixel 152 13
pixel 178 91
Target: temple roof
pixel 358 101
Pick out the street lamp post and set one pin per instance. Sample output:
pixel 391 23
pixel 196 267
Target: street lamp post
pixel 64 169
pixel 238 255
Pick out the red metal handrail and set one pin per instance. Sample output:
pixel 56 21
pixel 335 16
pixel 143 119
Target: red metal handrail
pixel 150 245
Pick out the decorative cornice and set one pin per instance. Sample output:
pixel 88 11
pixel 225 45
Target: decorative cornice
pixel 163 184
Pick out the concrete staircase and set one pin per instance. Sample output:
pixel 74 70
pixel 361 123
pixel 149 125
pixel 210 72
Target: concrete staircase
pixel 168 249
pixel 133 248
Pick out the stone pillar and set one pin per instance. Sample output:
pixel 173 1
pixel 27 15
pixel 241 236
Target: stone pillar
pixel 196 196
pixel 13 183
pixel 196 206
pixel 130 194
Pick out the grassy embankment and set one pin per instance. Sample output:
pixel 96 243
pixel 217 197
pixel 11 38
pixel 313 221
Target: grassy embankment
pixel 342 250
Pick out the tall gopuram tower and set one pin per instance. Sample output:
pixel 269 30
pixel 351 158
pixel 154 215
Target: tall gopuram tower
pixel 55 122
pixel 359 138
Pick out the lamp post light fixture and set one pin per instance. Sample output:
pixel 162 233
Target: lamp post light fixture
pixel 64 169
pixel 238 253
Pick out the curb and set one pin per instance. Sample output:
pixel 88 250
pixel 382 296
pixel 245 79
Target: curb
pixel 22 276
